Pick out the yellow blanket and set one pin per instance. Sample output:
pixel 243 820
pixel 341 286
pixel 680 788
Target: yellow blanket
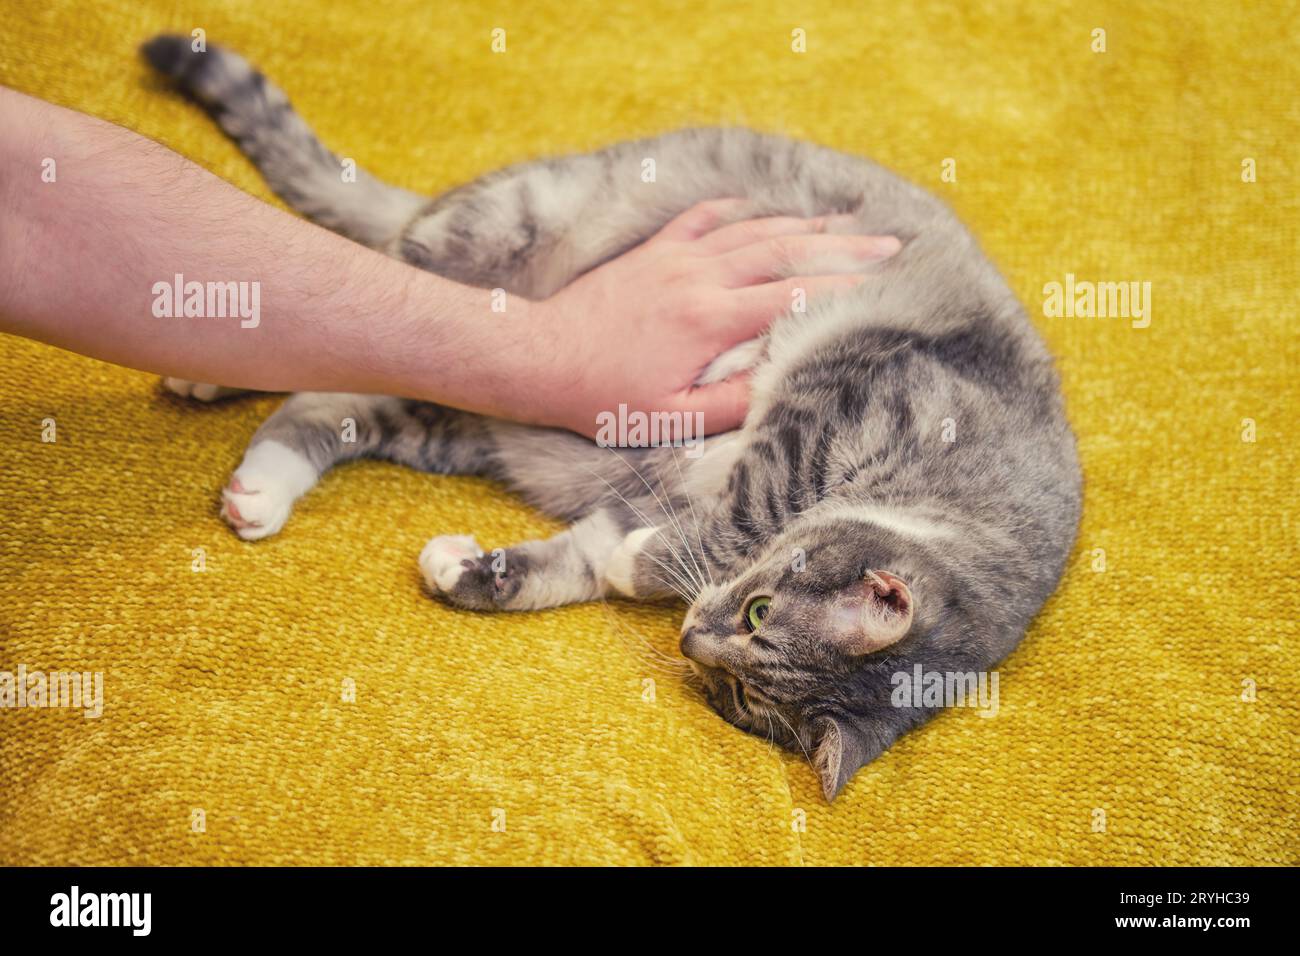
pixel 1150 716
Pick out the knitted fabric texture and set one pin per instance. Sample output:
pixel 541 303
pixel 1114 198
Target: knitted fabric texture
pixel 302 700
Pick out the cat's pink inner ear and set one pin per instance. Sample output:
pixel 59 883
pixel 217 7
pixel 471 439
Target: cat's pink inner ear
pixel 887 611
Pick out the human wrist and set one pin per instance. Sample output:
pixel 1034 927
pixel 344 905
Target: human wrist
pixel 21 150
pixel 564 369
pixel 480 351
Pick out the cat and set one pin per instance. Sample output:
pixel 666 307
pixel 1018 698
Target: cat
pixel 905 489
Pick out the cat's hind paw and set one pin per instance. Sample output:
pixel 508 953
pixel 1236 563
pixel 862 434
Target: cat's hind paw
pixel 199 391
pixel 261 493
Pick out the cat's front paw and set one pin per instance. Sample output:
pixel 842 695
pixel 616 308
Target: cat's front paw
pixel 261 492
pixel 456 570
pixel 198 390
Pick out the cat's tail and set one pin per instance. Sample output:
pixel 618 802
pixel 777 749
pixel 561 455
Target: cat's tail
pixel 257 115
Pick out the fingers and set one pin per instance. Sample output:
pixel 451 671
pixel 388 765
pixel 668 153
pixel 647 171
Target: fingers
pixel 690 414
pixel 737 235
pixel 722 407
pixel 824 254
pixel 702 218
pixel 757 306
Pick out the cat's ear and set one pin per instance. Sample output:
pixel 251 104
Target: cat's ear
pixel 840 752
pixel 878 614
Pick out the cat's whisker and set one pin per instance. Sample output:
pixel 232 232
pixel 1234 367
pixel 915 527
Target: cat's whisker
pixel 672 517
pixel 668 569
pixel 691 587
pixel 698 573
pixel 616 619
pixel 681 587
pixel 649 655
pixel 797 738
pixel 695 574
pixel 684 586
pixel 695 520
pixel 667 584
pixel 674 666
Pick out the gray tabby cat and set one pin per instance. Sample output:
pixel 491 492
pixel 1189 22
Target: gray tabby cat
pixel 904 491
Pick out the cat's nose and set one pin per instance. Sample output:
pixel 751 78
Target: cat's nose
pixel 696 645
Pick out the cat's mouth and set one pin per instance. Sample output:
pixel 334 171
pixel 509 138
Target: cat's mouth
pixel 744 707
pixel 720 686
pixel 725 694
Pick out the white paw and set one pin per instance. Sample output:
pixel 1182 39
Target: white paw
pixel 263 489
pixel 735 360
pixel 197 390
pixel 620 570
pixel 440 561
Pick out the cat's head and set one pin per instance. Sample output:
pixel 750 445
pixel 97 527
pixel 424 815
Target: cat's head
pixel 793 647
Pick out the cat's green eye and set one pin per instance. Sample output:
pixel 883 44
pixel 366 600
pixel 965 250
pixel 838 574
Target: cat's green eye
pixel 756 611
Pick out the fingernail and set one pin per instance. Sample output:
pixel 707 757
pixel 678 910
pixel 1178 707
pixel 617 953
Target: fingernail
pixel 880 247
pixel 841 222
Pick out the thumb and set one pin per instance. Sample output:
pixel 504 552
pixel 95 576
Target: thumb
pixel 722 406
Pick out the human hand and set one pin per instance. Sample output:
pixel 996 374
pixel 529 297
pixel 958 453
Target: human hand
pixel 639 329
